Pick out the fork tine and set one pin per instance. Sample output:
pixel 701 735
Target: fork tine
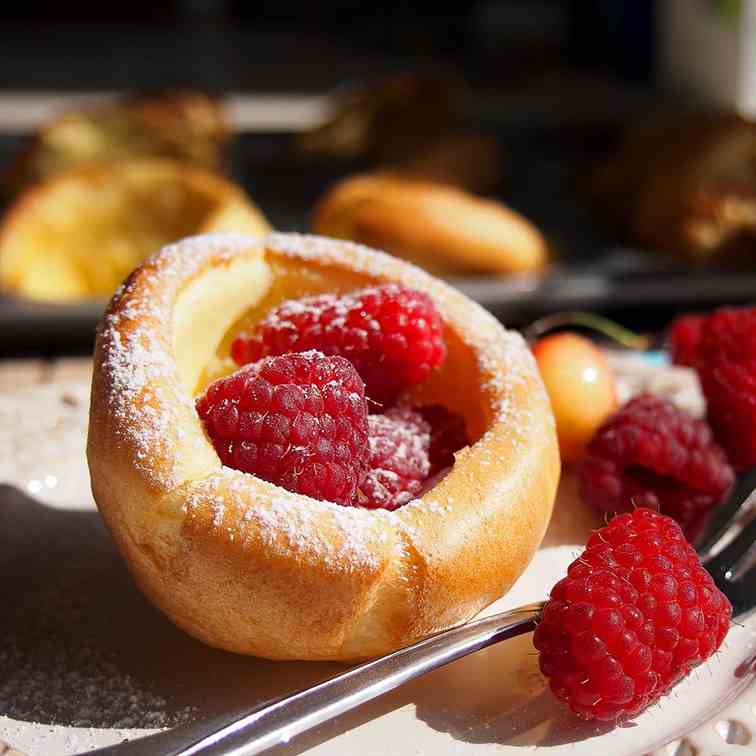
pixel 741 591
pixel 724 515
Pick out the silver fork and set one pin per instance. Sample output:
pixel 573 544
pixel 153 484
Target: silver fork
pixel 279 721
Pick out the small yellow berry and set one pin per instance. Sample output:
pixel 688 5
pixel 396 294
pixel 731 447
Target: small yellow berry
pixel 581 388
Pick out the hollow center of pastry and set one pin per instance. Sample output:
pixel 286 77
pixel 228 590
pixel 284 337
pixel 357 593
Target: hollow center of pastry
pixel 80 236
pixel 288 390
pixel 456 385
pixel 208 308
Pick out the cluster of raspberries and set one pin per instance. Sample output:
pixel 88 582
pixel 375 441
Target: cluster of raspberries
pixel 652 454
pixel 301 411
pixel 317 408
pixel 637 611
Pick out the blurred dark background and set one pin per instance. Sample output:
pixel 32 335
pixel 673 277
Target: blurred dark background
pixel 304 46
pixel 557 84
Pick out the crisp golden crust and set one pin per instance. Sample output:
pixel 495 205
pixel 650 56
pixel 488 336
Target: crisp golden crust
pixel 439 227
pixel 247 566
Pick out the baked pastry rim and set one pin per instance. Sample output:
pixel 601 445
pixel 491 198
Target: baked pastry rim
pixel 368 581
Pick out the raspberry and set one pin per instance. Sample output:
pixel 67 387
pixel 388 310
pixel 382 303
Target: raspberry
pixel 727 372
pixel 391 334
pixel 448 435
pixel 652 454
pixel 636 613
pixel 298 420
pixel 684 339
pixel 730 333
pixel 730 391
pixel 399 464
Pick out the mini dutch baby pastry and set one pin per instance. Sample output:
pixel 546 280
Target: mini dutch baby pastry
pixel 306 449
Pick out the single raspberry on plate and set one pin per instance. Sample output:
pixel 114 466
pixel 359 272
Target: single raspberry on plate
pixel 399 465
pixel 727 372
pixel 448 434
pixel 684 339
pixel 390 333
pixel 297 420
pixel 634 615
pixel 652 454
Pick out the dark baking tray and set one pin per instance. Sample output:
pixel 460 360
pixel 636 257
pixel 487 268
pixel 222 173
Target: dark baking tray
pixel 544 169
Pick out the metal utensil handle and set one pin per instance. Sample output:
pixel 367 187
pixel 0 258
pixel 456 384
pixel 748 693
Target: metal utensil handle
pixel 282 720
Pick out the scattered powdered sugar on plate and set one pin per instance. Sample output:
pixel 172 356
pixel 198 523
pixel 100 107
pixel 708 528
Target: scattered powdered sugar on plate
pixel 75 628
pixel 48 681
pixel 43 430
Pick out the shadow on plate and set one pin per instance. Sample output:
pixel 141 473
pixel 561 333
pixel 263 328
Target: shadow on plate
pixel 82 647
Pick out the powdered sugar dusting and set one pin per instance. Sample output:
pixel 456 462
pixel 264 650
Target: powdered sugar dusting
pixel 399 443
pixel 295 524
pixel 140 397
pixel 338 307
pixel 144 389
pixel 282 521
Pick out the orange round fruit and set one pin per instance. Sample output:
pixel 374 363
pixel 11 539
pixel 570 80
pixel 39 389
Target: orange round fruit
pixel 581 387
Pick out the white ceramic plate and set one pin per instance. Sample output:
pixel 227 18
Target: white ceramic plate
pixel 85 662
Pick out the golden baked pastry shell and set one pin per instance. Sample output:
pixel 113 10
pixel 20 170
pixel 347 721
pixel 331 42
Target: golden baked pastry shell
pixel 249 567
pixel 79 235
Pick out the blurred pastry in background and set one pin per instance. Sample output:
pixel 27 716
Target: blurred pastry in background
pixel 80 234
pixel 384 120
pixel 407 124
pixel 687 187
pixel 182 125
pixel 469 161
pixel 441 228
